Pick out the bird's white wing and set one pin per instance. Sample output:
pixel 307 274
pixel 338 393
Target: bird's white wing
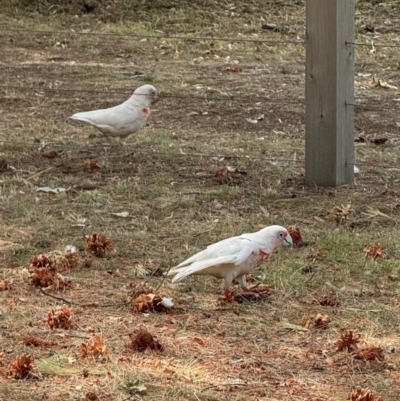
pixel 118 120
pixel 233 251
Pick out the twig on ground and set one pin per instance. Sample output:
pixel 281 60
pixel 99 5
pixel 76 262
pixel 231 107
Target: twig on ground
pixel 93 304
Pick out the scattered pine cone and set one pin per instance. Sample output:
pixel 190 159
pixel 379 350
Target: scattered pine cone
pixel 374 251
pixel 295 233
pixel 42 262
pixel 348 340
pixel 21 367
pixel 67 261
pixel 321 321
pixel 43 277
pixel 369 353
pixel 5 285
pixel 341 214
pixel 142 339
pixel 94 347
pixel 150 303
pixel 228 174
pixel 60 318
pixel 364 394
pixel 329 299
pixel 98 244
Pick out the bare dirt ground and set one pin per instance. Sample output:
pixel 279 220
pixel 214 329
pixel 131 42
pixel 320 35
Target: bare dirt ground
pixel 222 103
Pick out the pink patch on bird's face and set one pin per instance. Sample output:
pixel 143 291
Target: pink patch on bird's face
pixel 264 255
pixel 145 111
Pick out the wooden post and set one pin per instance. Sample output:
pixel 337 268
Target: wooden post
pixel 329 87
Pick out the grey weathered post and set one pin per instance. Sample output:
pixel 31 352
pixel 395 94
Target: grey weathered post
pixel 329 87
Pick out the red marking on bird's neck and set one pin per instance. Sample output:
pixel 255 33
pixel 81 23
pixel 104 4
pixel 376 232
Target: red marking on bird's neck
pixel 146 110
pixel 264 255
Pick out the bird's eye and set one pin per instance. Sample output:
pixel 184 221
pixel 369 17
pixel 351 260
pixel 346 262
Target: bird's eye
pixel 280 235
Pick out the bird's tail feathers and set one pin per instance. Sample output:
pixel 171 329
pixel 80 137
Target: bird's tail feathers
pixel 185 271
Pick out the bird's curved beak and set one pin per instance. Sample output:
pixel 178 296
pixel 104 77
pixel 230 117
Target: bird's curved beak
pixel 155 100
pixel 288 240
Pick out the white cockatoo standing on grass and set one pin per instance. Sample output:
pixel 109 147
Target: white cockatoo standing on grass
pixel 233 257
pixel 124 119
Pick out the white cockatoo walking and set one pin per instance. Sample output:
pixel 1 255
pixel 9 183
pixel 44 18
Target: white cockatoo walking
pixel 124 119
pixel 233 257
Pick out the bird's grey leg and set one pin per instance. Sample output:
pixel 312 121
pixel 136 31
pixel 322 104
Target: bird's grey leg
pixel 242 282
pixel 227 284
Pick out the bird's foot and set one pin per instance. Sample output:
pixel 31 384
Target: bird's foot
pixel 228 295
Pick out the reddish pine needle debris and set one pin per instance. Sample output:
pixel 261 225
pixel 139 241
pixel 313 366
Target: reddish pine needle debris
pixel 374 251
pixel 329 299
pixel 228 296
pixel 364 394
pixel 51 154
pixel 91 397
pixel 254 294
pixel 21 367
pixel 341 214
pixel 295 233
pixel 98 244
pixel 369 353
pixel 137 289
pixel 235 69
pixel 142 340
pixel 36 342
pixel 90 164
pixel 94 347
pixel 348 340
pixel 314 255
pixel 228 174
pixel 60 318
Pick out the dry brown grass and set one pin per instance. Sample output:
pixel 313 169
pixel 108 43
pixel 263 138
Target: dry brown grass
pixel 280 349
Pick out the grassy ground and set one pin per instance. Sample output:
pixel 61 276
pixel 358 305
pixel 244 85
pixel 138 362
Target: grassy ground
pixel 165 180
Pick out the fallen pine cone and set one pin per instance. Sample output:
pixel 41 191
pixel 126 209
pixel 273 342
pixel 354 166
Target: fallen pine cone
pixel 295 233
pixel 321 321
pixel 348 340
pixel 374 251
pixel 21 367
pixel 369 353
pixel 142 340
pixel 60 318
pixel 341 214
pixel 364 394
pixel 151 302
pixel 94 347
pixel 98 244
